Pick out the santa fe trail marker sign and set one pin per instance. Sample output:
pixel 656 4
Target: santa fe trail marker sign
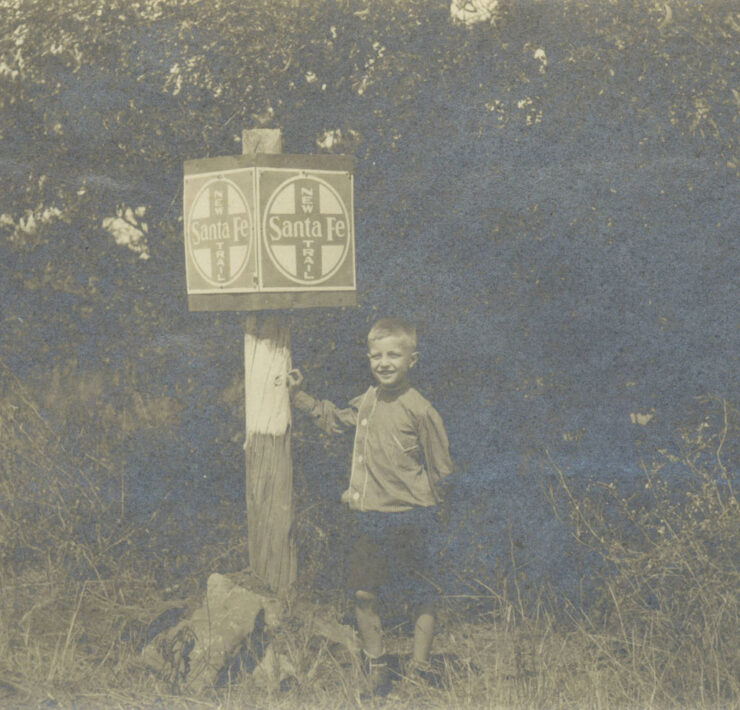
pixel 269 231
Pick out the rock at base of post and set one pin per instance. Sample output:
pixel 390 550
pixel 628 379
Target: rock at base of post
pixel 192 654
pixel 195 654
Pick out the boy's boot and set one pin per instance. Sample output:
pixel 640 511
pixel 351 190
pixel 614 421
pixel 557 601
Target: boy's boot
pixel 424 672
pixel 378 674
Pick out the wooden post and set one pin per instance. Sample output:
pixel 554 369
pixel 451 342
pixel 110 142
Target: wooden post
pixel 269 468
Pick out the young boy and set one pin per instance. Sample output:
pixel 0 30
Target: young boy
pixel 399 461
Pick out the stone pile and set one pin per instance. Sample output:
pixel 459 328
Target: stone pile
pixel 197 652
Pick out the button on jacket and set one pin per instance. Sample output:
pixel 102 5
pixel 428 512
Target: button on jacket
pixel 400 453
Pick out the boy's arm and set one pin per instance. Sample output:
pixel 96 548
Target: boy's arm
pixel 327 416
pixel 436 450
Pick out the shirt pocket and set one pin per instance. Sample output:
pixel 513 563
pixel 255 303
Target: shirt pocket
pixel 407 450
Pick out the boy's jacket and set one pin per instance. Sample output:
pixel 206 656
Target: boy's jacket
pixel 400 452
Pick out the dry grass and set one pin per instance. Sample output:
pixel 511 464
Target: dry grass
pixel 79 597
pixel 668 619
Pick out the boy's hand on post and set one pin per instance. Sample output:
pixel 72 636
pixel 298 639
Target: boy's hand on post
pixel 298 398
pixel 294 380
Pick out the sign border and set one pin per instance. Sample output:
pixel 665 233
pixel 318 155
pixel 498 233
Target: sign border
pixel 273 298
pixel 351 215
pixel 227 287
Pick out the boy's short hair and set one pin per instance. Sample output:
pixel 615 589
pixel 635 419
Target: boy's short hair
pixel 393 327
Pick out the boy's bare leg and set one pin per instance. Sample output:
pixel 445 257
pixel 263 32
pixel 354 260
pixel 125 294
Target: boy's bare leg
pixel 424 633
pixel 368 623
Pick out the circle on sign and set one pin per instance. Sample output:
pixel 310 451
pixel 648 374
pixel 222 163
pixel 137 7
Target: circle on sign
pixel 219 232
pixel 307 230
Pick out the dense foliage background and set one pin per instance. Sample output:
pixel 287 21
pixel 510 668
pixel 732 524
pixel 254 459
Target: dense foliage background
pixel 552 199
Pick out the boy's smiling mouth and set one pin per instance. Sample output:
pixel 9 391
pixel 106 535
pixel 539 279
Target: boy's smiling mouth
pixel 391 380
pixel 385 374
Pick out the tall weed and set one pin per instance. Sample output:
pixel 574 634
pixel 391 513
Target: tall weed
pixel 667 620
pixel 68 567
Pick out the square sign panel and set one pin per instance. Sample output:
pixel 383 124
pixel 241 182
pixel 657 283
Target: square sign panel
pixel 220 226
pixel 269 231
pixel 307 225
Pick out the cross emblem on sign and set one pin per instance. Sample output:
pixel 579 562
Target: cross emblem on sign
pixel 219 231
pixel 306 230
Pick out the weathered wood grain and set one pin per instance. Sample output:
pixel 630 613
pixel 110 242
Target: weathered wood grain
pixel 269 467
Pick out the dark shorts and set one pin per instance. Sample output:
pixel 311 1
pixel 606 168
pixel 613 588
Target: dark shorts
pixel 394 554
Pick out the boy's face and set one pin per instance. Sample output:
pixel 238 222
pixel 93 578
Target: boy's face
pixel 391 358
